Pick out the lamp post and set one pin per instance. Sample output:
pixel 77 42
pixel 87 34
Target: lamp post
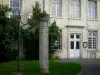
pixel 8 15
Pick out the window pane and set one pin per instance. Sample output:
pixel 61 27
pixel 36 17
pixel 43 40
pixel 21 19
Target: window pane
pixel 72 36
pixel 59 9
pixel 72 45
pixel 77 36
pixel 94 33
pixel 16 0
pixel 89 34
pixel 53 9
pixel 60 39
pixel 94 43
pixel 11 3
pixel 15 4
pixel 15 10
pixel 77 45
pixel 89 42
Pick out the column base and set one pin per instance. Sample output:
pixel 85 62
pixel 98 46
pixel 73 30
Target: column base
pixel 44 70
pixel 16 73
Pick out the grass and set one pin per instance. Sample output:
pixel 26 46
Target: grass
pixel 32 68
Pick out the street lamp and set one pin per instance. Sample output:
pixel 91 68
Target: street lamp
pixel 9 15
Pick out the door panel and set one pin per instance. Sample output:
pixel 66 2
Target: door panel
pixel 74 45
pixel 77 45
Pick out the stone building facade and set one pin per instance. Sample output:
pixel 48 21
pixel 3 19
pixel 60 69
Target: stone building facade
pixel 79 21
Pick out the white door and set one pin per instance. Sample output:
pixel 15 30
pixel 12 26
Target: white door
pixel 74 45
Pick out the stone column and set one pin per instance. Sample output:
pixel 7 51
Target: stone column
pixel 43 43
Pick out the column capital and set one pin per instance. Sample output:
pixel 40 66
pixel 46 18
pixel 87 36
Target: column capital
pixel 44 17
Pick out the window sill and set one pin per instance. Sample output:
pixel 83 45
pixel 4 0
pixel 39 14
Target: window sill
pixel 92 50
pixel 59 50
pixel 56 17
pixel 75 18
pixel 93 20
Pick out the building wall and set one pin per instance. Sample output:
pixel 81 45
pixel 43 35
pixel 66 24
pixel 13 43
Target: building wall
pixel 68 24
pixel 84 22
pixel 4 2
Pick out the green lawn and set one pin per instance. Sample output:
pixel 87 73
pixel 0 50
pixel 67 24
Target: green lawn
pixel 32 68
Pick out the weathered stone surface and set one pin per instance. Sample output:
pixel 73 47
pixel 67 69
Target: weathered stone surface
pixel 43 44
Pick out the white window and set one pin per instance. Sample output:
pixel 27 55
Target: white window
pixel 92 9
pixel 57 8
pixel 58 42
pixel 75 8
pixel 16 5
pixel 92 40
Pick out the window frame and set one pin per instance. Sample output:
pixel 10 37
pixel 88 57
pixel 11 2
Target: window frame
pixel 96 11
pixel 56 4
pixel 92 40
pixel 70 10
pixel 20 6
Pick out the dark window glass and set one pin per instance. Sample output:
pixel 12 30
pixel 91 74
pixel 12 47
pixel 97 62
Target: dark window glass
pixel 72 36
pixel 77 45
pixel 60 39
pixel 15 10
pixel 16 0
pixel 11 4
pixel 72 45
pixel 77 36
pixel 15 4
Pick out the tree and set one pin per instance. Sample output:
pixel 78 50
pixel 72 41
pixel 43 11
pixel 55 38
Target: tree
pixel 31 44
pixel 31 38
pixel 53 38
pixel 8 32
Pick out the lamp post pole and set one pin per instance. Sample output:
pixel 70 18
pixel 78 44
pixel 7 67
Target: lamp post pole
pixel 19 18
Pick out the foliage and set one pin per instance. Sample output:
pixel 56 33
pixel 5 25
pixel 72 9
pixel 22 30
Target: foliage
pixel 31 41
pixel 55 58
pixel 32 68
pixel 3 27
pixel 8 31
pixel 31 44
pixel 53 38
pixel 12 54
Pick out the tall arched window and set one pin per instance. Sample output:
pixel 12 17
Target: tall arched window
pixel 92 9
pixel 75 8
pixel 56 8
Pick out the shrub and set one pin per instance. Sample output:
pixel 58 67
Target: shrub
pixel 12 54
pixel 55 57
pixel 31 49
pixel 53 38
